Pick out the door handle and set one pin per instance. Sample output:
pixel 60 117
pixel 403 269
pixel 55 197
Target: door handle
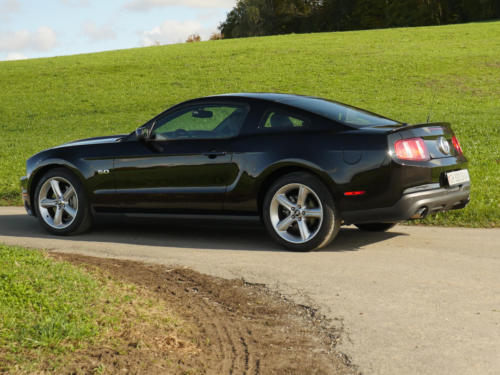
pixel 213 154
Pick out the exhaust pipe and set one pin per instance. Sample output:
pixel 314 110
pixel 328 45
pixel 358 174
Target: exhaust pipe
pixel 421 213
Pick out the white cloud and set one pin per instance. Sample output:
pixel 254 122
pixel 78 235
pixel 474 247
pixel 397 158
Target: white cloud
pixel 172 31
pixel 145 5
pixel 12 41
pixel 75 2
pixel 15 56
pixel 96 33
pixel 8 7
pixel 43 40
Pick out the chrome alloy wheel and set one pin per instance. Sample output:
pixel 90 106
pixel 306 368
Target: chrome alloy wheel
pixel 296 213
pixel 58 202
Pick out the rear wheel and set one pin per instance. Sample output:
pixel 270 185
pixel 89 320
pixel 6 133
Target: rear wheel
pixel 375 227
pixel 61 204
pixel 299 212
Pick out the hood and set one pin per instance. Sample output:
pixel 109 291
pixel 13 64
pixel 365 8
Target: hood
pixel 93 141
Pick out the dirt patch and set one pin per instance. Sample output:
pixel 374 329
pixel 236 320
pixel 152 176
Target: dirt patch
pixel 461 84
pixel 495 64
pixel 234 327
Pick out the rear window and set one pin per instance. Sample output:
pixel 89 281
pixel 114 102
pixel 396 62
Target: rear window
pixel 339 112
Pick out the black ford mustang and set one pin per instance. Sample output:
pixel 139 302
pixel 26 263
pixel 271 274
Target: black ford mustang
pixel 306 165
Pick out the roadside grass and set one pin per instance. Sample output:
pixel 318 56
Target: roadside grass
pixel 55 317
pixel 451 71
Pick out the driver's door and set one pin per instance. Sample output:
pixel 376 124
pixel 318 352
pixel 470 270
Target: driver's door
pixel 186 167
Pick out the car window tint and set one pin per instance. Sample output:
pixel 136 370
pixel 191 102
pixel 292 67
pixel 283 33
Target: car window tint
pixel 281 120
pixel 209 121
pixel 339 112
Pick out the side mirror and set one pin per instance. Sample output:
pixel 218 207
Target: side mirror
pixel 144 133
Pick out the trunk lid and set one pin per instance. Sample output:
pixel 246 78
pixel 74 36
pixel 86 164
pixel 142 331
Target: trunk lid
pixel 437 137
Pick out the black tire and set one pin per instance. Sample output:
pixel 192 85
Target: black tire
pixel 326 228
pixel 375 227
pixel 83 218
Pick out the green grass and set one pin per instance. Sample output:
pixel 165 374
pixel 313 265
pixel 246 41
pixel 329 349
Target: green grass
pixel 43 303
pixel 51 311
pixel 397 72
pixel 46 308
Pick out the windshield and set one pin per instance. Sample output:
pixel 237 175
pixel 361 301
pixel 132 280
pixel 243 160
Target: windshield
pixel 339 112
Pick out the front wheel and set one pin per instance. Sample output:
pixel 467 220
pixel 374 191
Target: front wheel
pixel 299 212
pixel 61 203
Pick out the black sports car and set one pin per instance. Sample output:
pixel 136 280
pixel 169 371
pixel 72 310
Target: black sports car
pixel 306 165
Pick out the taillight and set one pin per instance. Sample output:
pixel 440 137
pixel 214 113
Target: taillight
pixel 354 193
pixel 457 146
pixel 411 149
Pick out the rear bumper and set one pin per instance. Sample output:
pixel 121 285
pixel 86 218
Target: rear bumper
pixel 413 206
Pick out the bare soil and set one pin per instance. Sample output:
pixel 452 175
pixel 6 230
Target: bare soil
pixel 233 327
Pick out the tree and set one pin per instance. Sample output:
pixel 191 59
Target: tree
pixel 193 38
pixel 270 17
pixel 216 36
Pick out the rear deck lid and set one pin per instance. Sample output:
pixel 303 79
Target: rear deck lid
pixel 438 138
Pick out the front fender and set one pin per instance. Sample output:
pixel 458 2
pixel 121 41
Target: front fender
pixel 43 167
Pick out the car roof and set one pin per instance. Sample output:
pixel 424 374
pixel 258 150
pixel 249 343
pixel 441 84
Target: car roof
pixel 323 107
pixel 289 99
pixel 306 103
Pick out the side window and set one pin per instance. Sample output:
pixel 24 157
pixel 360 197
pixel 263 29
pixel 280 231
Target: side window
pixel 282 120
pixel 202 122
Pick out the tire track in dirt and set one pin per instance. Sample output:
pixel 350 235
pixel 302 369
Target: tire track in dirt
pixel 234 352
pixel 238 328
pixel 225 362
pixel 247 354
pixel 253 363
pixel 234 355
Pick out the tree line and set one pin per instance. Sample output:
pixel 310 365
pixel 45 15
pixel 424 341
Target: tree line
pixel 271 17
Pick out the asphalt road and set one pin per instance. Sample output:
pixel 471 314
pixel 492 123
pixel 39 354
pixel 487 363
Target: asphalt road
pixel 414 300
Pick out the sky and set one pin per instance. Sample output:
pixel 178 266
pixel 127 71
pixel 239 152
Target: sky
pixel 44 28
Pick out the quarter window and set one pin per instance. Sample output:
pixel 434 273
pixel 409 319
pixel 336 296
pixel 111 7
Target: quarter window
pixel 202 122
pixel 281 120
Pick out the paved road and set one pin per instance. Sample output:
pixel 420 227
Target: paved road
pixel 415 300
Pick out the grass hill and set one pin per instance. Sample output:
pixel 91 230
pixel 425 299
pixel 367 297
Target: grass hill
pixel 402 73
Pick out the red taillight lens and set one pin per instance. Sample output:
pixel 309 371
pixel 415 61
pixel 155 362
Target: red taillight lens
pixel 411 149
pixel 354 193
pixel 457 146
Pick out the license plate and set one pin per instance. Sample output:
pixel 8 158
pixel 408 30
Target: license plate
pixel 458 177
